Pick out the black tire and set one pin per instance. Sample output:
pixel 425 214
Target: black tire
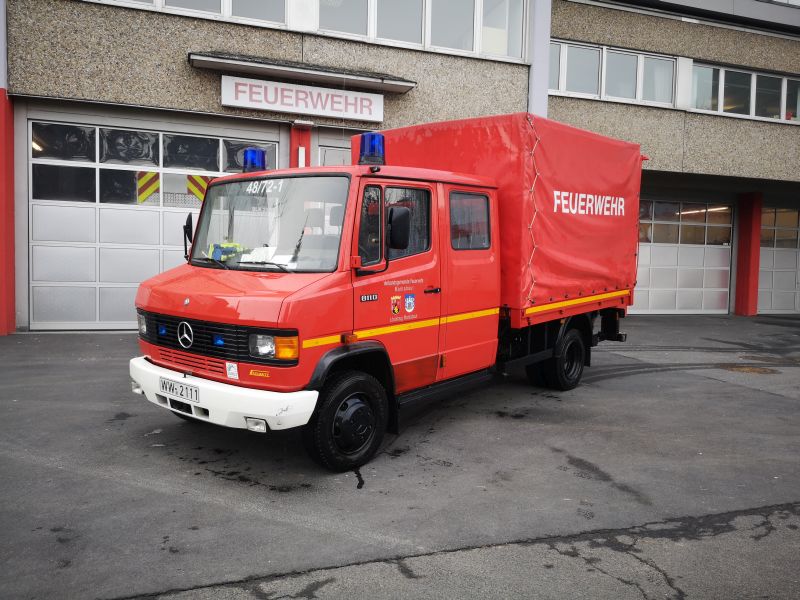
pixel 563 371
pixel 348 424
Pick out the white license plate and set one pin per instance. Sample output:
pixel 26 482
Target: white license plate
pixel 179 390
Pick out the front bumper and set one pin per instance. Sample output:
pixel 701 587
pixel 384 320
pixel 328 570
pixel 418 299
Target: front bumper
pixel 224 404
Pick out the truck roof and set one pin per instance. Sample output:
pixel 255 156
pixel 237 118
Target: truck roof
pixel 386 171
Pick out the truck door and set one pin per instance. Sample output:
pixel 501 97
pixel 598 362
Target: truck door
pixel 471 281
pixel 399 307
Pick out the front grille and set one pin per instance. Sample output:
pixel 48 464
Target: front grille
pixel 193 361
pixel 235 347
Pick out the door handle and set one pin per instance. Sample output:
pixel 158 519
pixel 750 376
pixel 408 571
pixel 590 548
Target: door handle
pixel 432 290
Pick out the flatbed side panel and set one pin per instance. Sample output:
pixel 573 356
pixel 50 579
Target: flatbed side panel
pixel 570 307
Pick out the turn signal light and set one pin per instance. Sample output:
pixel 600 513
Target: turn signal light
pixel 286 348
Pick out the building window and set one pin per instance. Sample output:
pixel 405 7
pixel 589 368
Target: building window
pixel 745 93
pixel 400 21
pixel 684 223
pixel 214 6
pixel 452 24
pixel 346 16
pixel 502 27
pixel 621 75
pixel 626 76
pixel 705 88
pixel 263 10
pixel 583 70
pixel 658 78
pixel 779 227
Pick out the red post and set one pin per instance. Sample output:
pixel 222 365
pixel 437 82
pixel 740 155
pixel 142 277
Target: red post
pixel 300 146
pixel 748 256
pixel 7 305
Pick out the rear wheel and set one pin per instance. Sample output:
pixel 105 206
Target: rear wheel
pixel 563 371
pixel 347 427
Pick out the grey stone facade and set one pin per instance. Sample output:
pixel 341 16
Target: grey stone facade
pixel 97 53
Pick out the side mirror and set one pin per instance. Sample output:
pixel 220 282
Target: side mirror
pixel 188 234
pixel 399 227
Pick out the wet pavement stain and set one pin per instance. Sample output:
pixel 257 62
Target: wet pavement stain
pixel 359 478
pixel 588 470
pixel 120 417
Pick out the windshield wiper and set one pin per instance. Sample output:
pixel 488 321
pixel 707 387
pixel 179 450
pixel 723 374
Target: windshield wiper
pixel 267 263
pixel 214 260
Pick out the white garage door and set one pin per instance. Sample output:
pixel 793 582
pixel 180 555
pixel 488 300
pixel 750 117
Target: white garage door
pixel 684 258
pixel 779 274
pixel 106 209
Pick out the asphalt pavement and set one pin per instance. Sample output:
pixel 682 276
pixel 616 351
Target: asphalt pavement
pixel 672 472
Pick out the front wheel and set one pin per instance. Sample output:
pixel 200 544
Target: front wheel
pixel 563 371
pixel 347 427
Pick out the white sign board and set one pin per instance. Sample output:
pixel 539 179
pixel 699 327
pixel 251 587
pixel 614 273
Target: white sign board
pixel 301 99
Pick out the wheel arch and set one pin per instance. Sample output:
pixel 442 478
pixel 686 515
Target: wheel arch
pixel 584 323
pixel 368 357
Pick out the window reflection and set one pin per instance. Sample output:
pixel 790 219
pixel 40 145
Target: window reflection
pixel 63 142
pixel 190 152
pixel 129 147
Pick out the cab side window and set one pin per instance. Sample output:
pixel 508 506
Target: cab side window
pixel 369 233
pixel 419 203
pixel 469 221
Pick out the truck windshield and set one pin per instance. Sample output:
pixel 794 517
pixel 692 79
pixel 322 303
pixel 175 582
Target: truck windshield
pixel 281 224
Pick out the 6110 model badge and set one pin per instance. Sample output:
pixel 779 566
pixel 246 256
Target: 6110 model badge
pixel 369 298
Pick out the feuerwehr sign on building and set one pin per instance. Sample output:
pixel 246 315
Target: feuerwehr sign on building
pixel 301 99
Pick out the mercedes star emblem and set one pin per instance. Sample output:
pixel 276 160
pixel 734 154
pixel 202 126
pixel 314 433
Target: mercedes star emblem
pixel 185 334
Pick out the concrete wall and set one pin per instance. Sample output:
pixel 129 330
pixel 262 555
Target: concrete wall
pixel 83 51
pixel 676 140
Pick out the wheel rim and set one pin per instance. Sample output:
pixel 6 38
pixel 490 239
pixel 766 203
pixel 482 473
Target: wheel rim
pixel 353 424
pixel 573 360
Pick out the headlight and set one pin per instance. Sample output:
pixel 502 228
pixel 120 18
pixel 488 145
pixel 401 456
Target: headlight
pixel 268 346
pixel 262 346
pixel 142 324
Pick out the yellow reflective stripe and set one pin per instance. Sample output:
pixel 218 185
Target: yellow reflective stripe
pixel 377 331
pixel 196 191
pixel 576 301
pixel 365 333
pixel 322 341
pixel 470 315
pixel 149 191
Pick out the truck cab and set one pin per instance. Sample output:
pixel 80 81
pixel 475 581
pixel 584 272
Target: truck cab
pixel 323 298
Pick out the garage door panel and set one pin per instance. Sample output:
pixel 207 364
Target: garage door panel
pixel 121 226
pixel 691 256
pixel 767 259
pixel 664 256
pixel 689 299
pixel 690 278
pixel 641 300
pixel 784 280
pixel 643 276
pixel 63 263
pixel 172 259
pixel 765 279
pixel 127 265
pixel 764 300
pixel 663 299
pixel 786 259
pixel 716 278
pixel 644 255
pixel 715 301
pixel 663 278
pixel 717 257
pixel 783 301
pixel 173 226
pixel 117 304
pixel 63 304
pixel 52 223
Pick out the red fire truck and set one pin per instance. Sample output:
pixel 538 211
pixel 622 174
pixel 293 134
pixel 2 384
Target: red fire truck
pixel 341 300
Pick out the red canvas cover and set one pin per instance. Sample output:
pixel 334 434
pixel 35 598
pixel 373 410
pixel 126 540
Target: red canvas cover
pixel 568 199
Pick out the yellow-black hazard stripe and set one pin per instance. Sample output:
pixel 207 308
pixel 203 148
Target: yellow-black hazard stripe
pixel 387 329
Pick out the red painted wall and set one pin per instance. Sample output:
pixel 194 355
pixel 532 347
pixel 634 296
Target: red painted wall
pixel 7 307
pixel 748 254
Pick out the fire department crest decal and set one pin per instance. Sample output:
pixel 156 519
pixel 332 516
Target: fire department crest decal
pixel 410 303
pixel 395 305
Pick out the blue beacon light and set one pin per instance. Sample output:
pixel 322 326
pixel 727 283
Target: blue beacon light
pixel 254 159
pixel 162 329
pixel 373 150
pixel 218 340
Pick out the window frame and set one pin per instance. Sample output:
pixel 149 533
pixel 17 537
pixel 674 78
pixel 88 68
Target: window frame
pixel 405 186
pixel 472 194
pixel 753 83
pixel 603 68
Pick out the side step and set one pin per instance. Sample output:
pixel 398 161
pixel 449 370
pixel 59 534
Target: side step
pixel 414 402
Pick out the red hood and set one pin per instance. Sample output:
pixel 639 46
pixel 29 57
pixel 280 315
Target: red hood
pixel 223 296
